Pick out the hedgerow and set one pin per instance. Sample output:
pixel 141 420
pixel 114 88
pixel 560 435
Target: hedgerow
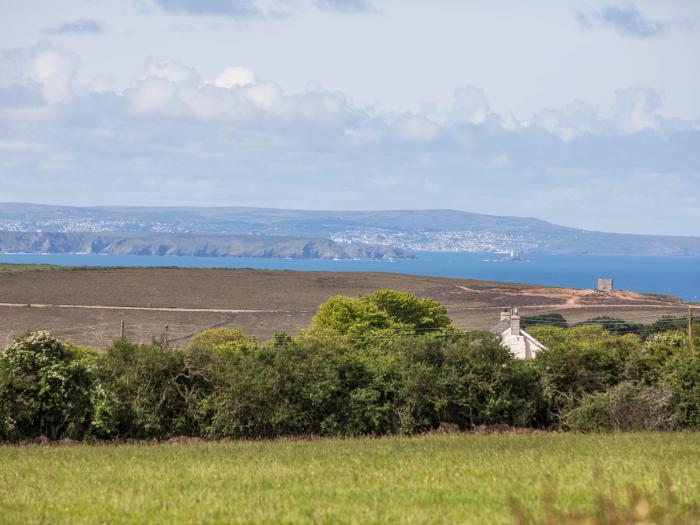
pixel 386 363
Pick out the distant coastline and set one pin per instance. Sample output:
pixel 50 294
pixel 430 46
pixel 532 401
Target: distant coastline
pixel 269 232
pixel 165 244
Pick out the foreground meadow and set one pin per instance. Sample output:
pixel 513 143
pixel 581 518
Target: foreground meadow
pixel 429 479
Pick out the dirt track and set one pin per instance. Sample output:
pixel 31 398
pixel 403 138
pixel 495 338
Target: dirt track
pixel 88 306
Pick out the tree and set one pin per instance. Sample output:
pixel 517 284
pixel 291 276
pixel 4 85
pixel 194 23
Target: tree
pixel 383 310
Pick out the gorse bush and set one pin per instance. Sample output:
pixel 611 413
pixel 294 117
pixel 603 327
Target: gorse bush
pixel 383 363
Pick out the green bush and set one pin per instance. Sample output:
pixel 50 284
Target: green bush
pixel 44 390
pixel 579 362
pixel 591 415
pixel 383 363
pixel 147 391
pixel 219 339
pixel 682 375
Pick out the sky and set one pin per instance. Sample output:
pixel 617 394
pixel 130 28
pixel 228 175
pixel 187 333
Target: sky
pixel 582 113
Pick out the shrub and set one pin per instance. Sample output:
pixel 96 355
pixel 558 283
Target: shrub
pixel 44 390
pixel 147 391
pixel 591 415
pixel 634 407
pixel 219 339
pixel 580 361
pixel 682 375
pixel 626 407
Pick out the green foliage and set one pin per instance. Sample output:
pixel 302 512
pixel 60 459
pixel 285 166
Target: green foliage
pixel 386 309
pixel 527 321
pixel 580 361
pixel 44 390
pixel 625 407
pixel 220 340
pixel 146 391
pixel 591 415
pixel 667 323
pixel 383 363
pixel 405 309
pixel 466 380
pixel 615 325
pixel 682 375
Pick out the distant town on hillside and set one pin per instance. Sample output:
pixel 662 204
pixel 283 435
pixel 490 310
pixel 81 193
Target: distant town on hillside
pixel 267 232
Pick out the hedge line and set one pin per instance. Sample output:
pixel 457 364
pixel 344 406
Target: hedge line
pixel 347 376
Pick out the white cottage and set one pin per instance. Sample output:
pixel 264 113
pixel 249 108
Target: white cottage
pixel 522 344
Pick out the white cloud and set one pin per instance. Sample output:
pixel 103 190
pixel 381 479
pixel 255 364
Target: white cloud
pixel 239 140
pixel 637 108
pixel 43 66
pixel 416 128
pixel 470 105
pixel 101 84
pixel 234 76
pixel 169 70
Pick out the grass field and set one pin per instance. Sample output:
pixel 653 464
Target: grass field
pixel 431 479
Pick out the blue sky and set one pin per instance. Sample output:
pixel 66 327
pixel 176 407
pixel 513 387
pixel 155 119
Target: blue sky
pixel 581 113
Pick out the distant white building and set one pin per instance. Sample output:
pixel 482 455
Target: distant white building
pixel 517 340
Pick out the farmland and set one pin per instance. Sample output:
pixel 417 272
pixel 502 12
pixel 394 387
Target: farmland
pixel 87 305
pixel 427 479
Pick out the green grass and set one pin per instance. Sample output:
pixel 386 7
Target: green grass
pixel 17 268
pixel 38 267
pixel 436 479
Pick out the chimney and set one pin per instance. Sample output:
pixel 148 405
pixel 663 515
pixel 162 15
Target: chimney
pixel 505 314
pixel 514 322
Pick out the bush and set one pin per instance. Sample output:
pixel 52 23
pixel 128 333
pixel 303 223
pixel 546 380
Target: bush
pixel 682 375
pixel 580 362
pixel 592 415
pixel 383 363
pixel 626 407
pixel 147 391
pixel 635 408
pixel 219 339
pixel 44 390
pixel 306 385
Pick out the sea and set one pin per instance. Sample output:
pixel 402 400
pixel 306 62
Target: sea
pixel 679 276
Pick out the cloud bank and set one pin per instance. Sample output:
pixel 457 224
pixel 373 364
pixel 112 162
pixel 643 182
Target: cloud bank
pixel 175 137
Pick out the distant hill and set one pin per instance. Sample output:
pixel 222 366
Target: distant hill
pixel 417 230
pixel 115 243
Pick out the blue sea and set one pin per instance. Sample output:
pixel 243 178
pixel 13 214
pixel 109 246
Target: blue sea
pixel 679 276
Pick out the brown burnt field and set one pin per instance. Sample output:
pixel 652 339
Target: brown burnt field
pixel 87 306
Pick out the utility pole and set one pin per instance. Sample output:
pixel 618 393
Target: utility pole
pixel 121 330
pixel 165 337
pixel 690 327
